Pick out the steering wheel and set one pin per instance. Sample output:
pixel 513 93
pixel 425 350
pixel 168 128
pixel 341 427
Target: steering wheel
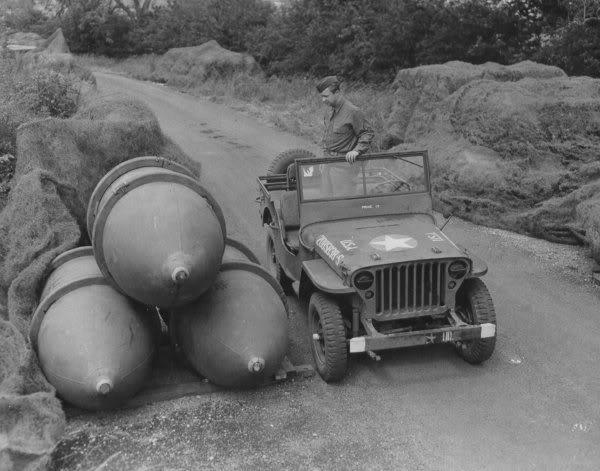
pixel 391 187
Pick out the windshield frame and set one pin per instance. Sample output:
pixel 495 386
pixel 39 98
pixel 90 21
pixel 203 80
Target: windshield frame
pixel 362 158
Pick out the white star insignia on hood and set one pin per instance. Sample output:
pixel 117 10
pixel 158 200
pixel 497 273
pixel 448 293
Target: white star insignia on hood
pixel 393 242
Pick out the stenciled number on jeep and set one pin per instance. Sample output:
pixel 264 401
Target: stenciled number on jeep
pixel 434 237
pixel 348 244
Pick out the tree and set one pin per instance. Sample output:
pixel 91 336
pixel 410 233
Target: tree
pixel 583 10
pixel 571 38
pixel 94 26
pixel 502 31
pixel 575 48
pixel 137 10
pixel 21 15
pixel 354 38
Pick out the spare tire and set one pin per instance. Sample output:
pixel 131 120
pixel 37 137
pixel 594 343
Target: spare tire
pixel 281 163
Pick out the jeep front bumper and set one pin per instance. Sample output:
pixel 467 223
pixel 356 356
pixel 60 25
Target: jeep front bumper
pixel 379 341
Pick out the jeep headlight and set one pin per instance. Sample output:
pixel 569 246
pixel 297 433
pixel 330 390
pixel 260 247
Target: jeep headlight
pixel 458 269
pixel 363 280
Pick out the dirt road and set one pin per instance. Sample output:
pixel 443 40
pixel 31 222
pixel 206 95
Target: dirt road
pixel 534 405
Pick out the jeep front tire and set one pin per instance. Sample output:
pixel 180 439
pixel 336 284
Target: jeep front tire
pixel 474 306
pixel 328 337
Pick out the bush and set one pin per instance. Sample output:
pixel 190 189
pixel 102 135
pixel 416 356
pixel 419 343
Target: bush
pixel 52 93
pixel 94 26
pixel 25 97
pixel 12 115
pixel 14 110
pixel 574 48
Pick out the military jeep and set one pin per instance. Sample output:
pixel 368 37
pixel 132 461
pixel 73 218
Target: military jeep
pixel 359 245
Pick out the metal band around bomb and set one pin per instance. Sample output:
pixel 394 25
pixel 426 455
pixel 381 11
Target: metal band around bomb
pixel 115 196
pixel 236 244
pixel 56 294
pixel 71 255
pixel 120 170
pixel 60 272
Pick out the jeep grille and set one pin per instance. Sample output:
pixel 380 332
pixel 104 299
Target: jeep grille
pixel 410 288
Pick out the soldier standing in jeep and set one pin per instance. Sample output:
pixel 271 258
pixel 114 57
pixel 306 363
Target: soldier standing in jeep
pixel 347 132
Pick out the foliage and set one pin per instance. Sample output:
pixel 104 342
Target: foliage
pixel 24 17
pixel 353 38
pixel 113 28
pixel 192 22
pixel 14 109
pixel 574 48
pixel 582 10
pixel 358 39
pixel 477 32
pixel 25 97
pixel 372 40
pixel 95 26
pixel 52 93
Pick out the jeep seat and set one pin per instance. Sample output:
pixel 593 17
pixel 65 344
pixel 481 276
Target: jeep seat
pixel 289 210
pixel 290 218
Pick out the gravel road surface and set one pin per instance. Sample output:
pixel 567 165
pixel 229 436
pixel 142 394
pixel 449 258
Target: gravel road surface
pixel 534 405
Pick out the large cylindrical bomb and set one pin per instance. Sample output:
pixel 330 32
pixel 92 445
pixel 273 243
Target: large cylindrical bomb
pixel 158 236
pixel 95 346
pixel 236 250
pixel 236 334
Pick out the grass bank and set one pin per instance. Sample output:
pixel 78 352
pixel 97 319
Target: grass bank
pixel 24 96
pixel 291 104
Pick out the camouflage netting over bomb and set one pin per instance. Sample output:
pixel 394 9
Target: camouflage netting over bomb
pixel 24 39
pixel 54 54
pixel 185 66
pixel 511 146
pixel 59 163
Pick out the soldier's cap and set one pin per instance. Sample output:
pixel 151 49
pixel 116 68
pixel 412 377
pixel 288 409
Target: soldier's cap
pixel 332 82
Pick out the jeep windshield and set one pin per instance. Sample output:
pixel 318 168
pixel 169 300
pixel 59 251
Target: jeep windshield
pixel 375 175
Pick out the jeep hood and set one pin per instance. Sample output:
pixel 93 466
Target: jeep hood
pixel 347 245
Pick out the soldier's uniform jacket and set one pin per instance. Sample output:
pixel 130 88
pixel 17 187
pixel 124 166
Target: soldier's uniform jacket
pixel 347 129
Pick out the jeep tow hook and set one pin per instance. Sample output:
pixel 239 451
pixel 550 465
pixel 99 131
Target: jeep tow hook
pixel 373 355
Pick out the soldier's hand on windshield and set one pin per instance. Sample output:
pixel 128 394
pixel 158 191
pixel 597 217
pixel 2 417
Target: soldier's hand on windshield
pixel 351 156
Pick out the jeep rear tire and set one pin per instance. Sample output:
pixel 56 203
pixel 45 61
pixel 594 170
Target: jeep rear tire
pixel 275 269
pixel 328 337
pixel 281 163
pixel 474 306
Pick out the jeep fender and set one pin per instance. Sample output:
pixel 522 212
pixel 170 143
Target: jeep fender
pixel 324 278
pixel 479 267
